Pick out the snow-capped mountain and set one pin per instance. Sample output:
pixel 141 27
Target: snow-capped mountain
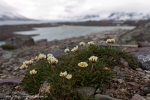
pixel 112 16
pixel 11 16
pixel 128 16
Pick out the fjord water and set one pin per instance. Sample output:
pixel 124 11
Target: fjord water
pixel 62 32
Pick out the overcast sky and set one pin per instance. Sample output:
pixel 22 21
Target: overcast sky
pixel 52 9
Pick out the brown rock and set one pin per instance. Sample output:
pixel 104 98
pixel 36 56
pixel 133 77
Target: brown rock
pixel 137 97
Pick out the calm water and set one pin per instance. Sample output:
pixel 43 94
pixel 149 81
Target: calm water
pixel 62 32
pixel 13 22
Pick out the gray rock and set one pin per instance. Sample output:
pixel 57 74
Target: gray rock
pixel 2 96
pixel 21 60
pixel 16 68
pixel 121 74
pixel 86 91
pixel 19 41
pixel 7 55
pixel 143 57
pixel 116 69
pixel 137 97
pixel 146 90
pixel 104 97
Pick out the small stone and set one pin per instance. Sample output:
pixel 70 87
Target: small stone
pixel 16 68
pixel 104 97
pixel 146 90
pixel 148 72
pixel 116 69
pixel 4 76
pixel 121 74
pixel 139 69
pixel 120 80
pixel 124 63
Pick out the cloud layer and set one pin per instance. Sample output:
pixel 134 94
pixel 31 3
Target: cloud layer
pixel 53 9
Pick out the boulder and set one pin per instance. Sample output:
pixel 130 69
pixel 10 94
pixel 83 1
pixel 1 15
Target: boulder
pixel 19 41
pixel 143 57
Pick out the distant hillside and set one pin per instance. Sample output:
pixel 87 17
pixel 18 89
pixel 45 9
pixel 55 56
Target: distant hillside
pixel 11 16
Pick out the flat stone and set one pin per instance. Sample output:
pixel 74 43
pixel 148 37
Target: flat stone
pixel 104 97
pixel 137 97
pixel 16 80
pixel 7 55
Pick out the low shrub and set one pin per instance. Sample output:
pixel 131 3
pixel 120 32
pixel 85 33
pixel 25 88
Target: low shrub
pixel 74 70
pixel 8 47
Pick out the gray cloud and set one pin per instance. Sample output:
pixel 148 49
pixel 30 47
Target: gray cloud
pixel 52 9
pixel 4 7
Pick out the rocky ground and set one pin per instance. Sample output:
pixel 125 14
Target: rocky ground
pixel 127 84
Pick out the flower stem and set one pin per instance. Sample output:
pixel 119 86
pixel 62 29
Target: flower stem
pixel 92 67
pixel 53 68
pixel 34 79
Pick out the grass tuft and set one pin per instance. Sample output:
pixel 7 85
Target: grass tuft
pixel 64 89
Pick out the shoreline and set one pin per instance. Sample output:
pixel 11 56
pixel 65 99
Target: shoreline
pixel 7 31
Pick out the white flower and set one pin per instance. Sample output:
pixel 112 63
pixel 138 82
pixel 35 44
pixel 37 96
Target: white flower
pixel 41 57
pixel 35 58
pixel 82 64
pixel 75 49
pixel 69 76
pixel 63 74
pixel 90 43
pixel 49 55
pixel 52 60
pixel 66 50
pixel 33 72
pixel 30 62
pixel 82 44
pixel 23 66
pixel 110 41
pixel 93 59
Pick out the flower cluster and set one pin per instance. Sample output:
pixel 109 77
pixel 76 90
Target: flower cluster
pixel 35 58
pixel 65 75
pixel 66 50
pixel 50 55
pixel 110 41
pixel 82 44
pixel 90 43
pixel 75 49
pixel 82 64
pixel 41 57
pixel 93 59
pixel 30 62
pixel 52 60
pixel 23 66
pixel 33 72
